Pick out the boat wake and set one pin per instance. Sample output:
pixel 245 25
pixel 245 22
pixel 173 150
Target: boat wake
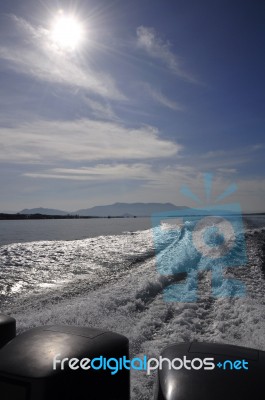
pixel 114 282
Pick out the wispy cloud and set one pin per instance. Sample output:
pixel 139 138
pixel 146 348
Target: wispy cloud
pixel 227 170
pixel 229 158
pixel 82 140
pixel 100 110
pixel 149 40
pixel 99 172
pixel 148 175
pixel 160 98
pixel 32 53
pixel 259 146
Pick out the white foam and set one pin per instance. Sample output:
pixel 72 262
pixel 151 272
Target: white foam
pixel 123 292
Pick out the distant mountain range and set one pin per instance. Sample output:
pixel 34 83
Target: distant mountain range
pixel 112 210
pixel 43 211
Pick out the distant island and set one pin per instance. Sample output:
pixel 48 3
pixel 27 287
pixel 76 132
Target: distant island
pixel 116 210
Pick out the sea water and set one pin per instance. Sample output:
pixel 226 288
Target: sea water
pixel 112 282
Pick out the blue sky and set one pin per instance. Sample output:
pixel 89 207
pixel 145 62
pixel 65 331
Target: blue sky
pixel 156 94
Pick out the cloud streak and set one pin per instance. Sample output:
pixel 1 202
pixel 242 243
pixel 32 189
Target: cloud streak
pixel 158 97
pixel 149 41
pixel 99 173
pixel 82 140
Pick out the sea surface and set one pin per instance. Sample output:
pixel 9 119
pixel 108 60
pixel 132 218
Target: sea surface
pixel 104 274
pixel 20 231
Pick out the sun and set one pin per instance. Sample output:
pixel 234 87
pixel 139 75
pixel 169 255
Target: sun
pixel 67 32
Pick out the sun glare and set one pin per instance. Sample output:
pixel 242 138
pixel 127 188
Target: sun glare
pixel 67 32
